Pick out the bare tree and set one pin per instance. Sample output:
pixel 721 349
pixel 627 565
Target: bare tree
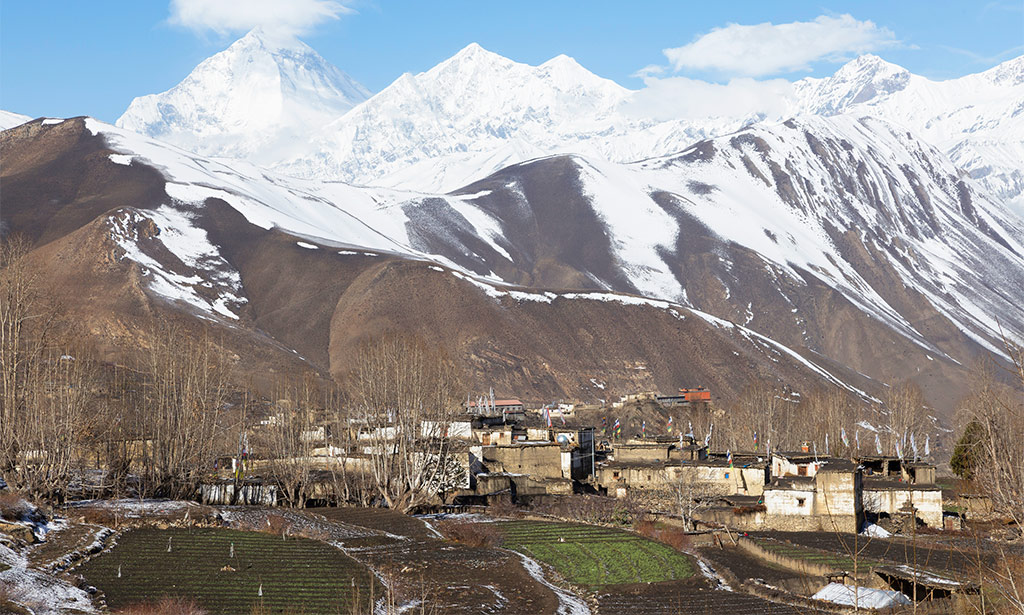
pixel 906 417
pixel 288 443
pixel 44 384
pixel 998 410
pixel 405 394
pixel 180 404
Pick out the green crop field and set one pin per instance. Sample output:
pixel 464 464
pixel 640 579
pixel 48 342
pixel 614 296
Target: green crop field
pixel 595 556
pixel 297 575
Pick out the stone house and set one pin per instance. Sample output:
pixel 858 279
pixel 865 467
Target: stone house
pixel 825 497
pixel 891 485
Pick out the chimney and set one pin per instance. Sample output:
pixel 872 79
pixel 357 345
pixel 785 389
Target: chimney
pixel 805 447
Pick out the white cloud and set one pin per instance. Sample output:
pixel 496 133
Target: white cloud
pixel 680 97
pixel 767 48
pixel 284 16
pixel 648 71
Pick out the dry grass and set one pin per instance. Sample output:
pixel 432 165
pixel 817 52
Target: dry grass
pixel 12 506
pixel 165 606
pixel 675 537
pixel 470 534
pixel 277 525
pixel 101 516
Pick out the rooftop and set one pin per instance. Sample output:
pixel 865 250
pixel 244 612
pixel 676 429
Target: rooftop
pixel 799 483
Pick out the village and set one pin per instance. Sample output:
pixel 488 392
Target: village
pixel 499 450
pixel 797 529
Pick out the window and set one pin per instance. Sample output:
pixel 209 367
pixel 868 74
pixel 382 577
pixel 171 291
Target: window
pixel 615 474
pixel 800 501
pixel 727 475
pixel 801 470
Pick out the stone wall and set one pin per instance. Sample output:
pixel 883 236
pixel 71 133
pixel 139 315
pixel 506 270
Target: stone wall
pixel 889 500
pixel 540 460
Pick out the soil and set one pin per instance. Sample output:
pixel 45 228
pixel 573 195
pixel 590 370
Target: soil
pixel 693 596
pixel 746 567
pixel 897 550
pixel 453 578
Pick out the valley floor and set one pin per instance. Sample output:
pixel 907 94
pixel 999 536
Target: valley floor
pixel 110 555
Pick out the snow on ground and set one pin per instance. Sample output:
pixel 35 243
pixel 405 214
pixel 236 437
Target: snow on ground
pixel 864 597
pixel 717 580
pixel 43 593
pixel 568 604
pixel 308 246
pixel 123 159
pixel 639 233
pixel 136 509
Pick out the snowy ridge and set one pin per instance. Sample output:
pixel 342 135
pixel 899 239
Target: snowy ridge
pixel 478 112
pixel 337 215
pixel 279 104
pixel 792 193
pixel 978 120
pixel 211 274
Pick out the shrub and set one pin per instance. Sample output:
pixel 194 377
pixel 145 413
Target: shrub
pixel 13 507
pixel 165 606
pixel 675 537
pixel 471 534
pixel 278 525
pixel 101 516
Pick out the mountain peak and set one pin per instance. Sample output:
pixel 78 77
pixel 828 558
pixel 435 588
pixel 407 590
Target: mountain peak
pixel 864 79
pixel 870 66
pixel 270 40
pixel 475 55
pixel 259 94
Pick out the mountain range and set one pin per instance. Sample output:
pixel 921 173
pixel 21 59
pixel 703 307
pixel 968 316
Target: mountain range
pixel 528 220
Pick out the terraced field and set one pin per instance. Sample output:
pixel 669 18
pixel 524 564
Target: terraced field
pixel 595 556
pixel 296 575
pixel 899 550
pixel 676 598
pixel 814 556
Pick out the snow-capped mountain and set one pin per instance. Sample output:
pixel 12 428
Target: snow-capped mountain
pixel 856 206
pixel 978 120
pixel 283 106
pixel 824 238
pixel 260 100
pixel 479 111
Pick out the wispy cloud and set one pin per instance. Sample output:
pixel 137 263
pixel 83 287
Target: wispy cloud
pixel 681 97
pixel 226 16
pixel 1005 7
pixel 769 49
pixel 979 58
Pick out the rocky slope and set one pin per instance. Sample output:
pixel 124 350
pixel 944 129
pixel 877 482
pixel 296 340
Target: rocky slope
pixel 819 250
pixel 123 241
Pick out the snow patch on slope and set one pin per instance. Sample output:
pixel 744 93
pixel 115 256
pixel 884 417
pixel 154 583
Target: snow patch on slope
pixel 208 284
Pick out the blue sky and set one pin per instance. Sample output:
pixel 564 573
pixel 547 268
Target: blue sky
pixel 91 58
